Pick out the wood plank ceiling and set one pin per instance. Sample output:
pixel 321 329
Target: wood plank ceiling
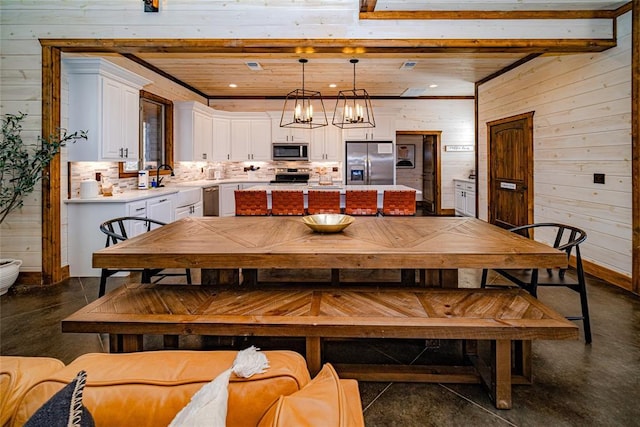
pixel 441 69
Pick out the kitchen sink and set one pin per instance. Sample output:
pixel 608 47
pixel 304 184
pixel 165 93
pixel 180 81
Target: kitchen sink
pixel 188 196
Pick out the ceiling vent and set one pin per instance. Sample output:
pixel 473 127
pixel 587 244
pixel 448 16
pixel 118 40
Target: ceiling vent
pixel 408 65
pixel 254 66
pixel 413 92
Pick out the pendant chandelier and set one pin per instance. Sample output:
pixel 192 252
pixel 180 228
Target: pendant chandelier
pixel 353 107
pixel 303 108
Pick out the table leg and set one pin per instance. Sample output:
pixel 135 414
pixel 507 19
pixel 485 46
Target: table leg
pixel 501 373
pixel 408 276
pixel 314 356
pixel 439 278
pixel 125 343
pixel 220 276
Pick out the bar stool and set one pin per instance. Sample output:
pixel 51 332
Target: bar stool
pixel 251 202
pixel 323 202
pixel 287 202
pixel 399 202
pixel 361 202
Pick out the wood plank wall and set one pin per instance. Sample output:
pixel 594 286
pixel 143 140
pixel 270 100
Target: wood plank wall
pixel 24 21
pixel 582 126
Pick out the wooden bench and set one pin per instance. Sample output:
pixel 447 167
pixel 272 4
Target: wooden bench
pixel 498 316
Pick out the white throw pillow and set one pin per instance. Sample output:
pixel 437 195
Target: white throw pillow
pixel 208 407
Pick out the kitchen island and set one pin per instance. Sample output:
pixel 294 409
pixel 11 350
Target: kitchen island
pixel 341 188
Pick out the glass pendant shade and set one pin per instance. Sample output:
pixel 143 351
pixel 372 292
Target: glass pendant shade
pixel 303 108
pixel 353 107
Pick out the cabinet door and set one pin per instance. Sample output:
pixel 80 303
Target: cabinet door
pixel 138 209
pixel 130 123
pixel 202 136
pixel 228 199
pixel 333 146
pixel 356 134
pixel 279 134
pixel 470 203
pixel 111 120
pixel 240 138
pixel 260 139
pixel 460 202
pixel 161 209
pixel 385 128
pixel 183 212
pixel 221 150
pixel 317 150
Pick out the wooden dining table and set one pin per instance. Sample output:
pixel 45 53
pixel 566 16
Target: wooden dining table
pixel 285 242
pixel 440 245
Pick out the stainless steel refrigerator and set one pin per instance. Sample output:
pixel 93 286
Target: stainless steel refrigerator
pixel 369 163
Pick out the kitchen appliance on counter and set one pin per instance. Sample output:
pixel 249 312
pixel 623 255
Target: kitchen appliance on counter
pixel 290 152
pixel 291 176
pixel 369 163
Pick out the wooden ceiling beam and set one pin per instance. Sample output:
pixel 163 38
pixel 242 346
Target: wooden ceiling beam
pixel 336 46
pixel 493 14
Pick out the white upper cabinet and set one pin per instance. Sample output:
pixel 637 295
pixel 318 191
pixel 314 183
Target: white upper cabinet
pixel 104 100
pixel 221 138
pixel 250 138
pixel 385 130
pixel 287 134
pixel 326 143
pixel 194 131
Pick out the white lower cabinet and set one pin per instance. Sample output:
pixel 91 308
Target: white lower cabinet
pixel 465 197
pixel 85 237
pixel 194 210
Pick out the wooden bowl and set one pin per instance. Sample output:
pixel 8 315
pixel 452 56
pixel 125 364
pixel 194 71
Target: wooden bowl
pixel 328 223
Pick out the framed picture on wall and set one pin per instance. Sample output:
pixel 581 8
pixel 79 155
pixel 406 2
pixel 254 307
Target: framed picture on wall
pixel 405 156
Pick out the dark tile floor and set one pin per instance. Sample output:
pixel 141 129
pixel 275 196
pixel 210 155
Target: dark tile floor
pixel 575 384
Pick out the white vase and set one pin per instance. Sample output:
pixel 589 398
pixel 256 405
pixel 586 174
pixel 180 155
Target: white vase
pixel 8 273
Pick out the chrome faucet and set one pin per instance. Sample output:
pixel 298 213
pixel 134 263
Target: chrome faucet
pixel 158 179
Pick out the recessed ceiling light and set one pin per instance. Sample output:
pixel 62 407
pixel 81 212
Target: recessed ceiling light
pixel 408 65
pixel 254 65
pixel 333 85
pixel 433 85
pixel 233 85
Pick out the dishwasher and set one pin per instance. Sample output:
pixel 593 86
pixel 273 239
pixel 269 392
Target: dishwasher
pixel 211 200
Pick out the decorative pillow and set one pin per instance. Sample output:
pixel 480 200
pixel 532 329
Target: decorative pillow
pixel 322 402
pixel 65 408
pixel 208 407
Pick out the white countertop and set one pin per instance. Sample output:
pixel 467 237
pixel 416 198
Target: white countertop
pixel 261 184
pixel 173 188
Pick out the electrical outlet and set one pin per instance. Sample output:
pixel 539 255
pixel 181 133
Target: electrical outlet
pixel 598 178
pixel 335 169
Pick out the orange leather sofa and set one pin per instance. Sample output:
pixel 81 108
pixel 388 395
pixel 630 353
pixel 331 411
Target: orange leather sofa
pixel 150 388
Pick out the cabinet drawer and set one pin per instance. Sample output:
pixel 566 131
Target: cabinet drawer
pixel 470 187
pixel 138 208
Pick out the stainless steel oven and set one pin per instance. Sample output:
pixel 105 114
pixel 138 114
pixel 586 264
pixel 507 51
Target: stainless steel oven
pixel 290 152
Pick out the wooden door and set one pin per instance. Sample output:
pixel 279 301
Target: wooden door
pixel 511 171
pixel 429 169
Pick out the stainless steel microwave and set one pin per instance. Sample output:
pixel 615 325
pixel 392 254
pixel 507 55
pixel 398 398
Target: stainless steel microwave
pixel 290 152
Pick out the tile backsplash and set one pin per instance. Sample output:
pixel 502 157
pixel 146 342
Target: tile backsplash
pixel 191 171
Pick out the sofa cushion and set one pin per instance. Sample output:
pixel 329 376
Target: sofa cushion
pixel 18 375
pixel 65 408
pixel 324 402
pixel 154 386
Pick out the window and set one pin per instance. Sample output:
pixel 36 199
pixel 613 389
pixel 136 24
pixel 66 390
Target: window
pixel 156 136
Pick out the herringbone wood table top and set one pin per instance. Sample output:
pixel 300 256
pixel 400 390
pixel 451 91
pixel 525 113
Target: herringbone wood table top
pixel 370 242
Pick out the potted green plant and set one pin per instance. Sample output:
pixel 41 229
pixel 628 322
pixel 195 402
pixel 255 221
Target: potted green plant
pixel 21 166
